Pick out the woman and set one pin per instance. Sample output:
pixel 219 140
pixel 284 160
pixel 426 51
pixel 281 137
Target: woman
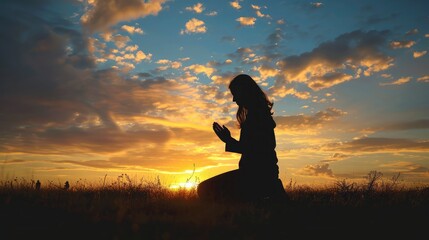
pixel 257 175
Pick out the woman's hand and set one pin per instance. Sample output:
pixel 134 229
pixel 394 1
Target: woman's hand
pixel 222 132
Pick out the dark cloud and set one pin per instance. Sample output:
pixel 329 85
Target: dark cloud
pixel 52 98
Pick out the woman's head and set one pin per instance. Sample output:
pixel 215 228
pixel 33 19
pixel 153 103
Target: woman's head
pixel 248 96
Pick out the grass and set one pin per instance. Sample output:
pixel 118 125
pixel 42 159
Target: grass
pixel 126 210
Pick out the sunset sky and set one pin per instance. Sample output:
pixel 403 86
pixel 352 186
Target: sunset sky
pixel 91 88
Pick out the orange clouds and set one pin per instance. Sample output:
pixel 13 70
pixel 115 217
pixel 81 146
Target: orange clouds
pixel 402 44
pixel 235 4
pixel 106 13
pixel 246 21
pixel 194 26
pixel 197 8
pixel 400 81
pixel 325 65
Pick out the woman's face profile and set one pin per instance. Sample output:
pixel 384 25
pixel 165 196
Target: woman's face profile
pixel 238 97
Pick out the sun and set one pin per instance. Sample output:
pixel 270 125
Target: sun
pixel 185 185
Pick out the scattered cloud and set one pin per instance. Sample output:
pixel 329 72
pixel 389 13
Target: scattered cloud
pixel 320 170
pixel 258 11
pixel 235 4
pixel 194 26
pixel 316 4
pixel 198 68
pixel 140 55
pixel 246 21
pixel 266 71
pixel 400 81
pixel 335 157
pixel 104 14
pixel 419 54
pixel 132 29
pixel 402 44
pixel 166 64
pixel 197 8
pixel 423 79
pixel 412 32
pixel 212 13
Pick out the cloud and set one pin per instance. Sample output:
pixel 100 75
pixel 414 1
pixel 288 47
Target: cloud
pixel 407 167
pixel 401 126
pixel 266 71
pixel 140 55
pixel 197 8
pixel 258 11
pixel 316 4
pixel 194 26
pixel 329 79
pixel 168 64
pixel 331 62
pixel 402 44
pixel 371 145
pixel 211 14
pixel 228 38
pixel 62 103
pixel 246 21
pixel 419 54
pixel 412 31
pixel 106 13
pixel 335 157
pixel 423 79
pixel 131 29
pixel 308 121
pixel 317 170
pixel 400 81
pixel 235 4
pixel 198 68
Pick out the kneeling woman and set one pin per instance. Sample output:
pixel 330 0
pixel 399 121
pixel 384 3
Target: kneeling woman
pixel 257 175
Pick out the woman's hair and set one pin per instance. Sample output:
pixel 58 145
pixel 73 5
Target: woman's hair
pixel 255 97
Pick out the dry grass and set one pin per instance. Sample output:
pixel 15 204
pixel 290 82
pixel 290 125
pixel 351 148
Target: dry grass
pixel 147 210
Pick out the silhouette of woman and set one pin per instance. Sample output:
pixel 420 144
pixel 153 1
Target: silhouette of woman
pixel 257 175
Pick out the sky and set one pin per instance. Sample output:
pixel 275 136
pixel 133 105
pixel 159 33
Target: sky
pixel 94 90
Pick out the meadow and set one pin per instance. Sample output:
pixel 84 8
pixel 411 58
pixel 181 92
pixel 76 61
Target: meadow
pixel 376 209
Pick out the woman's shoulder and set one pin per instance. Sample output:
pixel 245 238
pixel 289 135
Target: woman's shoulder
pixel 261 117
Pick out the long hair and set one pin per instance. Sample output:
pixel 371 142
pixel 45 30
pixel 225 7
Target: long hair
pixel 255 97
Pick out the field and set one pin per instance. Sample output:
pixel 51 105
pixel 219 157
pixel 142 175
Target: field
pixel 377 209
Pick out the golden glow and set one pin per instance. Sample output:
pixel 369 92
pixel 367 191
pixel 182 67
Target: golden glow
pixel 185 186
